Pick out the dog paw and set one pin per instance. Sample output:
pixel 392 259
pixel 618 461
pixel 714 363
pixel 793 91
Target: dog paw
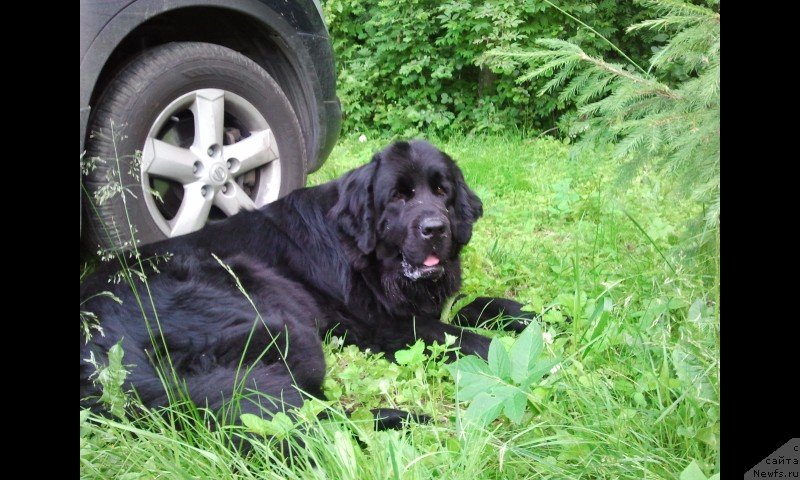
pixel 393 419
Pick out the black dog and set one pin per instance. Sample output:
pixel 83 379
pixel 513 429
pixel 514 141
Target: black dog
pixel 371 257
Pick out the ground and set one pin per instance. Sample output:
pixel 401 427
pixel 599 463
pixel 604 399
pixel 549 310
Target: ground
pixel 636 393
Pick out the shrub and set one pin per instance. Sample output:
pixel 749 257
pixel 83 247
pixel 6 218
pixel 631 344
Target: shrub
pixel 419 65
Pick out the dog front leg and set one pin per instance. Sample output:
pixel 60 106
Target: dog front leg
pixel 470 343
pixel 486 312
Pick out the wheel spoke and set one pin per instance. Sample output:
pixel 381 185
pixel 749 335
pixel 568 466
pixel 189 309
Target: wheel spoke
pixel 168 161
pixel 194 209
pixel 252 152
pixel 209 111
pixel 231 202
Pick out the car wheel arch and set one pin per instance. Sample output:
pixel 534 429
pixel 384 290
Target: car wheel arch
pixel 137 27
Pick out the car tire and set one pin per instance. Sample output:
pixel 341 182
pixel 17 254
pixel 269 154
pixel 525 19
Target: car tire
pixel 186 133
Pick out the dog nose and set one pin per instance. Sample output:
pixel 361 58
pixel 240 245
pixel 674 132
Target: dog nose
pixel 431 226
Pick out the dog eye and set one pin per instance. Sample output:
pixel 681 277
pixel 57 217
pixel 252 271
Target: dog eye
pixel 403 194
pixel 403 191
pixel 440 191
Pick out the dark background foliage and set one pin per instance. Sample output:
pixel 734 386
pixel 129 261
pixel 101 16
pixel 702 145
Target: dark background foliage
pixel 417 65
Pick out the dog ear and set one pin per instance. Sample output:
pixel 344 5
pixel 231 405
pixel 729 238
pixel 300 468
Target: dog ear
pixel 468 209
pixel 355 210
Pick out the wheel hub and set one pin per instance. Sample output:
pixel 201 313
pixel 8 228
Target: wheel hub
pixel 217 174
pixel 227 159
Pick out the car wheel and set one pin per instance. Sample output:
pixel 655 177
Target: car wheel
pixel 187 133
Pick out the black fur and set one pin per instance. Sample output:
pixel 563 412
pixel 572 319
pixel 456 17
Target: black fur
pixel 482 311
pixel 349 257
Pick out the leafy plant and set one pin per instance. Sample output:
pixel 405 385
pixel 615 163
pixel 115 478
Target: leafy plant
pixel 564 197
pixel 111 377
pixel 503 384
pixel 693 472
pixel 414 355
pixel 279 426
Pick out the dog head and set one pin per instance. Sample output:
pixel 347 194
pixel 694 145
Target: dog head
pixel 411 211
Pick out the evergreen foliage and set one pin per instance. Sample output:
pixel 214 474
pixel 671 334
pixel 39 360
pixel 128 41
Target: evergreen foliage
pixel 665 117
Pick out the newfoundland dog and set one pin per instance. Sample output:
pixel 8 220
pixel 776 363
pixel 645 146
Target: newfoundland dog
pixel 371 257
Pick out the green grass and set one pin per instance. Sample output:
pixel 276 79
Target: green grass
pixel 637 395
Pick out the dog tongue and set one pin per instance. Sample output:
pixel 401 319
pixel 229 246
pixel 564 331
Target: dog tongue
pixel 431 261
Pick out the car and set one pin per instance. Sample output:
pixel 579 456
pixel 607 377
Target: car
pixel 192 110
